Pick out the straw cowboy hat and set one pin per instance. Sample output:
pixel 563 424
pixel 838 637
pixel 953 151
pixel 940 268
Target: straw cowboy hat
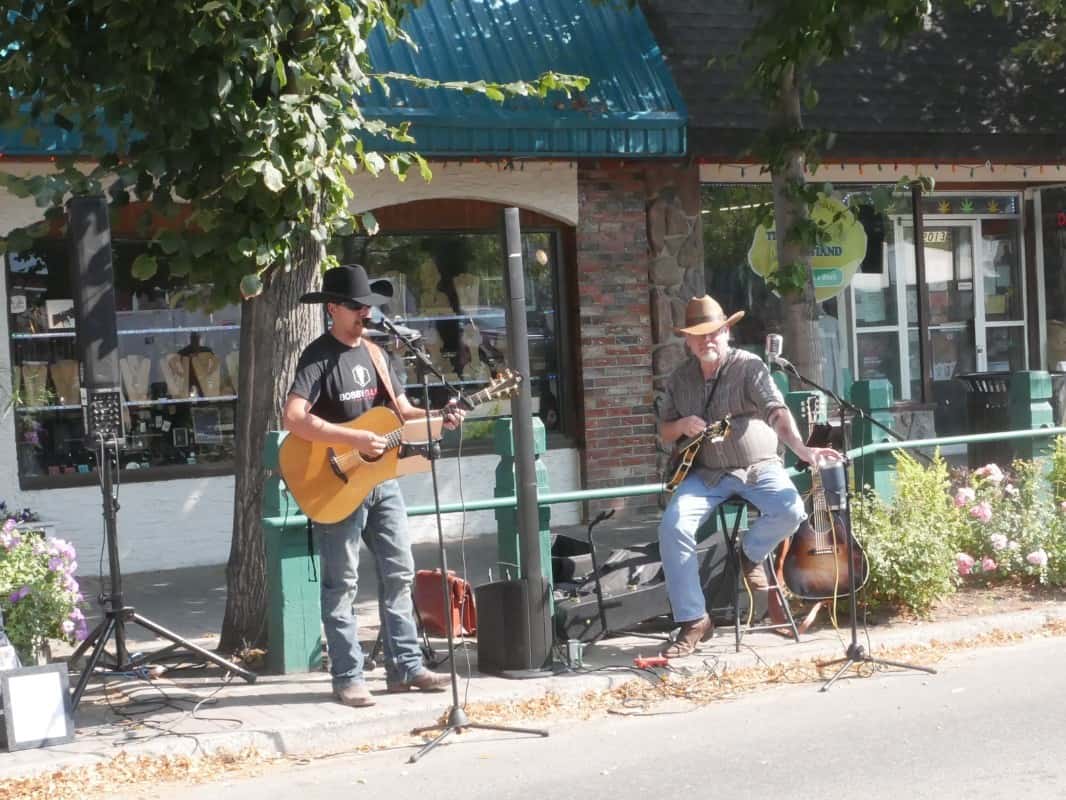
pixel 703 315
pixel 349 284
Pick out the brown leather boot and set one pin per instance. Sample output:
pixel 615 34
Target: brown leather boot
pixel 691 634
pixel 755 575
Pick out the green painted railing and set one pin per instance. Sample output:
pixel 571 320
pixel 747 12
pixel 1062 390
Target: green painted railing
pixel 582 495
pixel 975 438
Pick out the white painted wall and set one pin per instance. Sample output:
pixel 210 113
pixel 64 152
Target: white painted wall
pixel 185 523
pixel 547 187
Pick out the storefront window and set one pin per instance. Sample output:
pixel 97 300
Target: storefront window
pixel 450 288
pixel 178 371
pixel 976 314
pixel 1053 233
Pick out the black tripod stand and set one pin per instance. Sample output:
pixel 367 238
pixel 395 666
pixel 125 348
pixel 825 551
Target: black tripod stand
pixel 116 613
pixel 855 652
pixel 457 720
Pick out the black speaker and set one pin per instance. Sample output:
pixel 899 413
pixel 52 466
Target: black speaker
pixel 505 644
pixel 93 279
pixel 873 222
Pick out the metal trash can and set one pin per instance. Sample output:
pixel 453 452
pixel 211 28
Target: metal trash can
pixel 986 407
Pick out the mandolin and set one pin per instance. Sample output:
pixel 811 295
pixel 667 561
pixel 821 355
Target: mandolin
pixel 329 482
pixel 816 562
pixel 685 452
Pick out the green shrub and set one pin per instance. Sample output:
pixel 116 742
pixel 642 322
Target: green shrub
pixel 911 544
pixel 1057 475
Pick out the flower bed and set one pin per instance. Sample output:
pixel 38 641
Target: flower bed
pixel 989 526
pixel 39 594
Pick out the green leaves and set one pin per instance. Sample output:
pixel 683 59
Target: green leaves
pixel 144 267
pixel 272 177
pixel 247 113
pixel 251 286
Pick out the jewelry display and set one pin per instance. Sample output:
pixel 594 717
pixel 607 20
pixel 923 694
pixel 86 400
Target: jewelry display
pixel 475 368
pixel 176 373
pixel 135 370
pixel 233 360
pixel 35 383
pixel 207 369
pixel 467 288
pixel 67 380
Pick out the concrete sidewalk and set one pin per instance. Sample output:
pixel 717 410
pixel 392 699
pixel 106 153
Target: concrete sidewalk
pixel 198 710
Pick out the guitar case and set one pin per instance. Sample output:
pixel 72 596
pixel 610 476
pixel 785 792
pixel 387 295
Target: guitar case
pixel 633 586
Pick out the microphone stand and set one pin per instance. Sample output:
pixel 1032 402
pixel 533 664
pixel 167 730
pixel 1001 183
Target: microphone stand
pixel 457 718
pixel 855 652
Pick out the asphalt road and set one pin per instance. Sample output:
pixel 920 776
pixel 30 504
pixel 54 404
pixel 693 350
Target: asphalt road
pixel 990 724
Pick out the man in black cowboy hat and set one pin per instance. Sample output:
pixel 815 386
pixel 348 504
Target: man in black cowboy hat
pixel 340 376
pixel 714 382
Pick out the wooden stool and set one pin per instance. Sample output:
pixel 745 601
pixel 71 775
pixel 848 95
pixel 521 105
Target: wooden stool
pixel 732 539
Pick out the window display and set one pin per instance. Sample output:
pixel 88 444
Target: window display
pixel 177 369
pixel 449 288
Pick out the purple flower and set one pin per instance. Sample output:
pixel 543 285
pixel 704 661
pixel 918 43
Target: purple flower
pixel 81 631
pixel 9 525
pixel 10 539
pixel 68 627
pixel 18 594
pixel 55 563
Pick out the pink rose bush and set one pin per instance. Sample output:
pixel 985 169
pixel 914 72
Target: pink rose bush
pixel 39 594
pixel 1009 526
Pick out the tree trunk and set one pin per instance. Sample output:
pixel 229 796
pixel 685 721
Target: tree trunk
pixel 275 328
pixel 800 324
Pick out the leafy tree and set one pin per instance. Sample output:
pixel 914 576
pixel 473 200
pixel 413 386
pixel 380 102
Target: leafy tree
pixel 789 39
pixel 238 123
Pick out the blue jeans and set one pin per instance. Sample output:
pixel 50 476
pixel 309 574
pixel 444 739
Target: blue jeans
pixel 768 488
pixel 381 522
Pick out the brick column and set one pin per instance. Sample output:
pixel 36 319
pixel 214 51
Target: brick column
pixel 631 238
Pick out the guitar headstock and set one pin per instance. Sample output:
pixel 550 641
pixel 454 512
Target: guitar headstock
pixel 812 408
pixel 503 385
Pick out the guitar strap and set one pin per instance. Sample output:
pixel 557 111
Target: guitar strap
pixel 381 366
pixel 706 407
pixel 717 380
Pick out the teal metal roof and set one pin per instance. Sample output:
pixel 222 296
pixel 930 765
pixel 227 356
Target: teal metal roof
pixel 631 107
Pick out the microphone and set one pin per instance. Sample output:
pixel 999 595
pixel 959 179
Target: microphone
pixel 774 344
pixel 392 329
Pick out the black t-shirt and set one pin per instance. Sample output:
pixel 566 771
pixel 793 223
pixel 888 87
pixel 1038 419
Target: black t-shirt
pixel 339 381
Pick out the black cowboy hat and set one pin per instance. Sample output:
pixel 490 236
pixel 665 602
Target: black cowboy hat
pixel 348 284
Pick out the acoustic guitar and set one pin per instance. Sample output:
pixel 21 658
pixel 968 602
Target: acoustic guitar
pixel 685 451
pixel 330 481
pixel 816 563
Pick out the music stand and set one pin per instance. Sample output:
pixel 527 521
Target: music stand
pixel 855 652
pixel 457 720
pixel 116 613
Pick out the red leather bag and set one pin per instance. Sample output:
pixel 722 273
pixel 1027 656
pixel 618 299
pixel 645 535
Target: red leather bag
pixel 430 604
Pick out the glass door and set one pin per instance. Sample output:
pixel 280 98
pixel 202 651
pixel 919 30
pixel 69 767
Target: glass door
pixel 949 277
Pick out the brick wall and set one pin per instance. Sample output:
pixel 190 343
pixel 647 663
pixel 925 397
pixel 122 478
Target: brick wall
pixel 620 252
pixel 615 330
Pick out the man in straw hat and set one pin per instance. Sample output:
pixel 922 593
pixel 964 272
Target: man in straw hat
pixel 340 376
pixel 715 381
